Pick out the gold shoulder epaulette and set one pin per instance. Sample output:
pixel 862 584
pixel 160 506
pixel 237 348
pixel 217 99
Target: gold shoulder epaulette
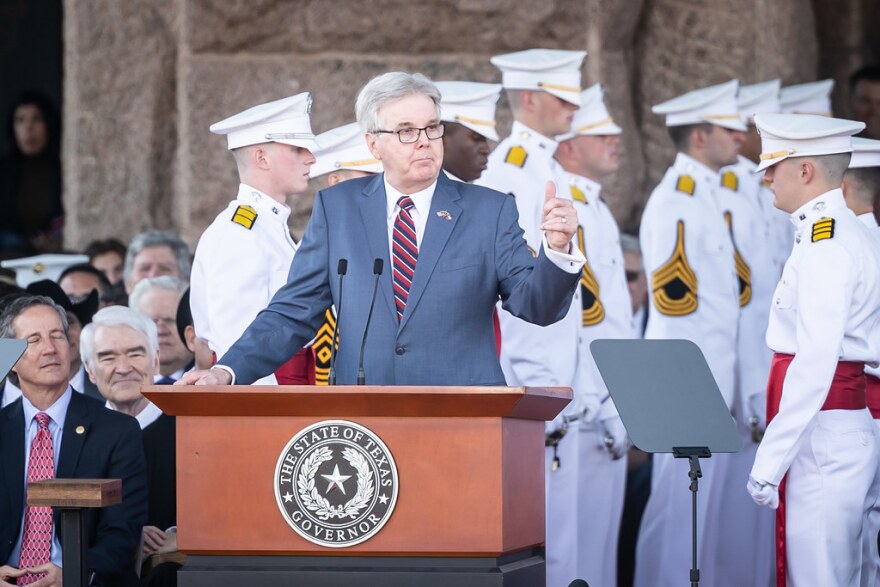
pixel 577 195
pixel 730 180
pixel 517 155
pixel 245 216
pixel 674 284
pixel 823 229
pixel 686 184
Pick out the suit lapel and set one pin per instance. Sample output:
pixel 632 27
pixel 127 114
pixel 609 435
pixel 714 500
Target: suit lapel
pixel 442 218
pixel 12 441
pixel 374 213
pixel 77 418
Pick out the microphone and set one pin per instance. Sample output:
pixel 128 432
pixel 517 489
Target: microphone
pixel 578 583
pixel 331 374
pixel 377 271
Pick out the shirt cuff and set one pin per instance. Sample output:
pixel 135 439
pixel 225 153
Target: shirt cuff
pixel 570 263
pixel 228 370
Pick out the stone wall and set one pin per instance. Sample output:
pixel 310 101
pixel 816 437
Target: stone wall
pixel 145 80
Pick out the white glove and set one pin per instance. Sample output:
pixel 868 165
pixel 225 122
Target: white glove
pixel 763 493
pixel 589 406
pixel 614 437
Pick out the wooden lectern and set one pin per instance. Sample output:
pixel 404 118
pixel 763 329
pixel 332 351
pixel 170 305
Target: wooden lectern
pixel 470 462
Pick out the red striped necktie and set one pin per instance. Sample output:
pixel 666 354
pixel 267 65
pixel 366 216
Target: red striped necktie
pixel 36 542
pixel 405 253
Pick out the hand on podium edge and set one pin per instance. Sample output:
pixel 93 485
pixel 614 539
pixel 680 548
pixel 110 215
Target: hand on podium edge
pixel 765 494
pixel 212 376
pixel 559 220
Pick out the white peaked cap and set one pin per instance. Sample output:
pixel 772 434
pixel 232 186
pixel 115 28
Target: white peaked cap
pixel 592 118
pixel 866 153
pixel 344 147
pixel 282 121
pixel 713 105
pixel 30 269
pixel 809 98
pixel 803 135
pixel 470 104
pixel 762 98
pixel 554 71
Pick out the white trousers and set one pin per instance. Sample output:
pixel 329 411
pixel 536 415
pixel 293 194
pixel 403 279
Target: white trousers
pixel 743 548
pixel 827 499
pixel 584 500
pixel 870 554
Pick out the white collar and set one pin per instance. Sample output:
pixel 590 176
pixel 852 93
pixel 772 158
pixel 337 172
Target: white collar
pixel 522 134
pixel 684 163
pixel 147 416
pixel 263 203
pixel 818 207
pixel 57 411
pixel 421 199
pixel 868 219
pixel 591 189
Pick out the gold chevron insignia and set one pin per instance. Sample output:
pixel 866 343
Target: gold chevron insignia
pixel 323 346
pixel 245 216
pixel 743 271
pixel 686 184
pixel 516 156
pixel 729 180
pixel 823 229
pixel 674 284
pixel 577 194
pixel 592 311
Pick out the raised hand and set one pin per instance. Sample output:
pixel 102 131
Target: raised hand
pixel 558 221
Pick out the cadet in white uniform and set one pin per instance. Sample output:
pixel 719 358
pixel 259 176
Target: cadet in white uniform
pixel 586 155
pixel 543 88
pixel 861 184
pixel 343 155
pixel 467 110
pixel 695 295
pixel 818 456
pixel 244 256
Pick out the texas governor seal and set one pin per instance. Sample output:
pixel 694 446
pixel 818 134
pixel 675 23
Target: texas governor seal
pixel 336 483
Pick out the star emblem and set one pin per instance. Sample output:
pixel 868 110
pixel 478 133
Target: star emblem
pixel 287 497
pixel 383 499
pixel 336 479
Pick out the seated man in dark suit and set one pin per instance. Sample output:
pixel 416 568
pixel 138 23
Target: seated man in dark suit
pixel 120 349
pixel 53 432
pixel 450 251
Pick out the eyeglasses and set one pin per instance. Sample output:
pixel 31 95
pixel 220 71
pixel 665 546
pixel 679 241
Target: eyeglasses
pixel 411 135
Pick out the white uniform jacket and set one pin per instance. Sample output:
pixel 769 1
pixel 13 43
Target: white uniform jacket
pixel 689 259
pixel 241 260
pixel 826 309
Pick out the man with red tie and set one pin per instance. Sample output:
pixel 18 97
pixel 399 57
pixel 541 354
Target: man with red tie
pixel 53 432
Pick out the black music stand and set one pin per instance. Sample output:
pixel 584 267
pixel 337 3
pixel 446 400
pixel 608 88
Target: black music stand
pixel 670 403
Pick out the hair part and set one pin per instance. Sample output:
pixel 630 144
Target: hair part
pixel 387 88
pixel 117 316
pixel 157 238
pixel 17 306
pixel 165 282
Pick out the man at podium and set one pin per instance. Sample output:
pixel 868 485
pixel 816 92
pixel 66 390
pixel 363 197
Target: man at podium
pixel 441 254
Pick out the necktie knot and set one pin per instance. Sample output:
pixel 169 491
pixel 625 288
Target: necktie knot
pixel 406 203
pixel 43 420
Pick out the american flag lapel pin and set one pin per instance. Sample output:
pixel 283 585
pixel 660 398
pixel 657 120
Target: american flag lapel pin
pixel 444 215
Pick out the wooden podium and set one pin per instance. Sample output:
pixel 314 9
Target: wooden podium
pixel 470 501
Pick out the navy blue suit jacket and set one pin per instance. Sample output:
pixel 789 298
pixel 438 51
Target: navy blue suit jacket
pixel 109 448
pixel 472 253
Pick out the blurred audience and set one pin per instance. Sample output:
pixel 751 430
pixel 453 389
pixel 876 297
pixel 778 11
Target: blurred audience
pixel 30 179
pixel 158 298
pixel 864 91
pixel 78 281
pixel 155 253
